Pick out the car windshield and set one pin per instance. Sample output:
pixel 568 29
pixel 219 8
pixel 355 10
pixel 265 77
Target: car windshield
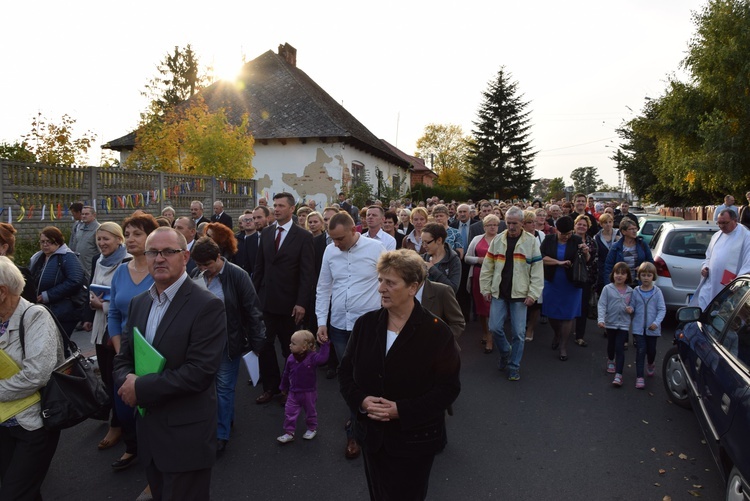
pixel 688 243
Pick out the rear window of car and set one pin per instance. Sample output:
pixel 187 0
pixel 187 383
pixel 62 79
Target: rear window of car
pixel 650 227
pixel 688 243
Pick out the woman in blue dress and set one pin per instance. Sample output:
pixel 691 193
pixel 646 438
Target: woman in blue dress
pixel 562 300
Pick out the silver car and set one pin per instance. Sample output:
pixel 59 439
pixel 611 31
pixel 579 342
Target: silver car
pixel 679 248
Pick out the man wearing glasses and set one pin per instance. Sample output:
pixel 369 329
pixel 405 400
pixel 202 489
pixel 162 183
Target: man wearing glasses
pixel 186 324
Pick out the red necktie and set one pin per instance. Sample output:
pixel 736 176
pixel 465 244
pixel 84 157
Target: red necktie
pixel 278 238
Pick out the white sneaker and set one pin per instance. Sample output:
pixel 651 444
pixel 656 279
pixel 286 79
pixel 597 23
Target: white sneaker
pixel 310 434
pixel 285 438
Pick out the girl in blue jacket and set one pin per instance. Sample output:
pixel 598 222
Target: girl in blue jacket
pixel 649 310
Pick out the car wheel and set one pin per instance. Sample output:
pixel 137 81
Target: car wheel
pixel 735 491
pixel 674 378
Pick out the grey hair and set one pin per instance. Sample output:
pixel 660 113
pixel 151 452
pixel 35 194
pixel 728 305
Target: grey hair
pixel 514 212
pixel 11 277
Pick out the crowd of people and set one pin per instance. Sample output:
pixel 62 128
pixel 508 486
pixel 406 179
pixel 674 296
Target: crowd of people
pixel 379 296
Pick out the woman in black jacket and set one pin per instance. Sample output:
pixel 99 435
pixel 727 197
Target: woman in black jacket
pixel 245 328
pixel 399 374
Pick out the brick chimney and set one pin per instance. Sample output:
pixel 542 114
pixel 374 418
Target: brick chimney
pixel 289 54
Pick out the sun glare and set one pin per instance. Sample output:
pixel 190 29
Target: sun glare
pixel 227 69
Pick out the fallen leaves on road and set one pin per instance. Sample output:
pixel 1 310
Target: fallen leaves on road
pixel 670 453
pixel 695 494
pixel 682 456
pixel 662 471
pixel 644 421
pixel 653 449
pixel 666 498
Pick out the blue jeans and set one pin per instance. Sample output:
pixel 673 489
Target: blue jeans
pixel 339 338
pixel 226 381
pixel 646 345
pixel 498 314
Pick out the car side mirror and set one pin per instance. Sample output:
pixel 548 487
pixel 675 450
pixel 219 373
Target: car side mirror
pixel 688 314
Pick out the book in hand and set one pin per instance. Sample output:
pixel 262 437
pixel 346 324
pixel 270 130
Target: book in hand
pixel 9 409
pixel 100 290
pixel 147 359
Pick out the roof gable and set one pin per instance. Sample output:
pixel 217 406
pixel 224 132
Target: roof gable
pixel 283 102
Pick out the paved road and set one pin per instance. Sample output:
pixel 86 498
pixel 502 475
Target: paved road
pixel 561 432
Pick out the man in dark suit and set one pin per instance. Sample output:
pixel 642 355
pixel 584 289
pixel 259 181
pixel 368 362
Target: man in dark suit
pixel 196 213
pixel 283 276
pixel 220 216
pixel 439 300
pixel 476 229
pixel 247 243
pixel 187 325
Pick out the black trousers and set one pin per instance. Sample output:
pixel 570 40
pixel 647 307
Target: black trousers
pixel 105 357
pixel 179 486
pixel 581 321
pixel 392 478
pixel 25 457
pixel 281 327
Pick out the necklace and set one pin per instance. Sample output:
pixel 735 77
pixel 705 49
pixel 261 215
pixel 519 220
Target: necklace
pixel 137 270
pixel 393 322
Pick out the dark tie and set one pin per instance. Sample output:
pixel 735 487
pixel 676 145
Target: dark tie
pixel 278 238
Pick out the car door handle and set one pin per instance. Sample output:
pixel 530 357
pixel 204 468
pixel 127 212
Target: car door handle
pixel 676 267
pixel 725 401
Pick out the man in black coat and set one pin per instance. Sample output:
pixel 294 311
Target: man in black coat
pixel 220 216
pixel 196 213
pixel 247 243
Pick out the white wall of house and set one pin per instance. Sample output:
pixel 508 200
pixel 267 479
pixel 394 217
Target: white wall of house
pixel 317 170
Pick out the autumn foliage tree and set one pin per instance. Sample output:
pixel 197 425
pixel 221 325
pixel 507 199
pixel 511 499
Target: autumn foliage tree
pixel 56 143
pixel 191 139
pixel 444 148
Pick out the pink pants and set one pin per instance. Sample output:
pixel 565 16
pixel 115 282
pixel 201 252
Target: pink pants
pixel 296 401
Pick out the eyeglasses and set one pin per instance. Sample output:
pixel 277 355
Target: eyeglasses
pixel 427 242
pixel 44 242
pixel 165 253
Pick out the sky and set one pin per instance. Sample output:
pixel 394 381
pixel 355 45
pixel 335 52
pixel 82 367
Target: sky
pixel 584 67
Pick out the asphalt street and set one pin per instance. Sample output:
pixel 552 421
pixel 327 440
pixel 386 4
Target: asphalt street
pixel 562 432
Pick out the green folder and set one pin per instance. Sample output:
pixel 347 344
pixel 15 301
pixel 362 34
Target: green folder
pixel 147 359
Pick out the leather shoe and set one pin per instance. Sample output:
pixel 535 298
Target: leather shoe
pixel 352 449
pixel 265 397
pixel 123 464
pixel 221 445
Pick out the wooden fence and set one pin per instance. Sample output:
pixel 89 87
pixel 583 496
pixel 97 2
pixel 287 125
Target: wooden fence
pixel 38 195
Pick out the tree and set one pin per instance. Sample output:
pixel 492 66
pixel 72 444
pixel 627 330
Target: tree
pixel 189 138
pixel 54 143
pixel 444 146
pixel 585 179
pixel 16 151
pixel 556 189
pixel 541 189
pixel 692 144
pixel 178 79
pixel 500 153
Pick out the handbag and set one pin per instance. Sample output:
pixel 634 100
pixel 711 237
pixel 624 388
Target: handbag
pixel 74 392
pixel 580 270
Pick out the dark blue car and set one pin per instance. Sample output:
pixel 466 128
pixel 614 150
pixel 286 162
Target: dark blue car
pixel 708 369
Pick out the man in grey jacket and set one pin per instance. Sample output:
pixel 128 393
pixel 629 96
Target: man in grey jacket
pixel 83 242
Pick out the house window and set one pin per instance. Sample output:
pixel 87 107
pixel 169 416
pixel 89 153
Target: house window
pixel 358 173
pixel 396 182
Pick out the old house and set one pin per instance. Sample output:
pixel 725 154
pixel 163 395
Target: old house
pixel 306 143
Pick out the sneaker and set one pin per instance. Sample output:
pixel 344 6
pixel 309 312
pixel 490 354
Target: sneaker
pixel 285 438
pixel 617 381
pixel 514 376
pixel 503 363
pixel 650 370
pixel 309 434
pixel 640 383
pixel 610 367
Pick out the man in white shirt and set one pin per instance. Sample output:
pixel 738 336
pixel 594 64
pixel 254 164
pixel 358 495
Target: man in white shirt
pixel 375 217
pixel 729 203
pixel 348 284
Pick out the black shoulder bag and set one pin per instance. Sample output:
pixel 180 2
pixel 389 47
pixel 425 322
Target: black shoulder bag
pixel 74 392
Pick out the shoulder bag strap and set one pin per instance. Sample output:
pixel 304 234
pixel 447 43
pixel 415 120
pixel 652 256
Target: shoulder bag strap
pixel 61 332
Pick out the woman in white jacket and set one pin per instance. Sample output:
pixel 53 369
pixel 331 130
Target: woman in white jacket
pixel 26 448
pixel 475 257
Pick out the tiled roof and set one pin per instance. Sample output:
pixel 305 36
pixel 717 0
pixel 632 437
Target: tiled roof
pixel 416 163
pixel 284 103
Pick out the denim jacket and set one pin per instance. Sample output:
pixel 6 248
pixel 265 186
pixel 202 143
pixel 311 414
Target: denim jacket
pixel 648 311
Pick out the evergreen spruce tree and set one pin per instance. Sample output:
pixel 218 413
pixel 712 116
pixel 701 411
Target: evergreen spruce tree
pixel 500 153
